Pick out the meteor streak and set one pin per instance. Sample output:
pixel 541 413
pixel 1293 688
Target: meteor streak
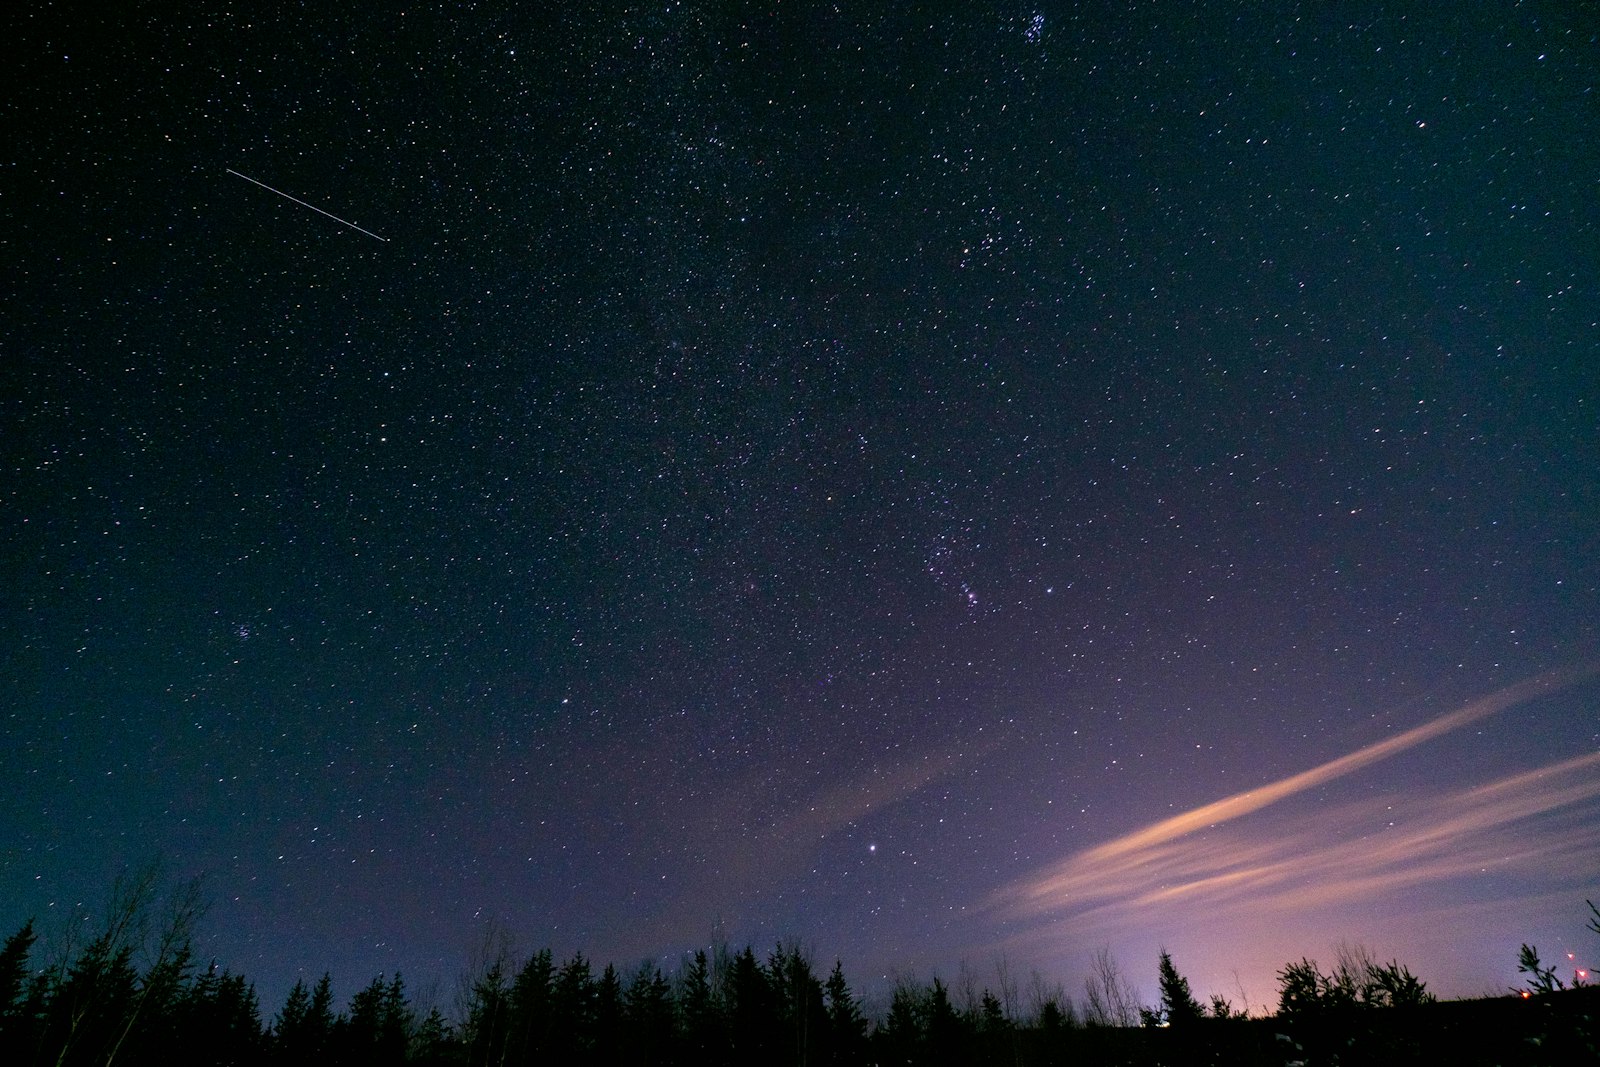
pixel 313 207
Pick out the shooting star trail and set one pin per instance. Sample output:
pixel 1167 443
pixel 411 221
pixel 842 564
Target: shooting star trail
pixel 313 207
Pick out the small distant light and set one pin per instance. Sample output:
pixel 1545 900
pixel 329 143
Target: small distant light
pixel 1526 995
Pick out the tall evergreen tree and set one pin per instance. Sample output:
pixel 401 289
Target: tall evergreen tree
pixel 14 965
pixel 608 1016
pixel 798 1008
pixel 218 1022
pixel 697 1014
pixel 751 1017
pixel 397 1022
pixel 378 1027
pixel 13 969
pixel 320 1018
pixel 901 1038
pixel 648 1003
pixel 847 1027
pixel 292 1017
pixel 431 1044
pixel 235 1013
pixel 530 1008
pixel 1178 1006
pixel 573 1011
pixel 945 1032
pixel 305 1025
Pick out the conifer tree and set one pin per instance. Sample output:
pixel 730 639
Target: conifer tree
pixel 292 1017
pixel 305 1025
pixel 487 1015
pixel 608 1016
pixel 847 1027
pixel 530 1008
pixel 431 1043
pixel 697 1018
pixel 236 1019
pixel 799 1014
pixel 573 1015
pixel 218 1021
pixel 648 1007
pixel 750 1009
pixel 946 1035
pixel 378 1027
pixel 13 969
pixel 901 1035
pixel 992 1016
pixel 1178 1006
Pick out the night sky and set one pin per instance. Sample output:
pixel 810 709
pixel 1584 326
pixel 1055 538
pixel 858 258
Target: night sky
pixel 932 481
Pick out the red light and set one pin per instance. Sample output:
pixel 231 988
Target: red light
pixel 1526 994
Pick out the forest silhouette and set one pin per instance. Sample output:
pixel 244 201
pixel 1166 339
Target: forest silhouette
pixel 133 992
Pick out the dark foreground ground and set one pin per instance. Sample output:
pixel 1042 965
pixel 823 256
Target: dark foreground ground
pixel 1562 1028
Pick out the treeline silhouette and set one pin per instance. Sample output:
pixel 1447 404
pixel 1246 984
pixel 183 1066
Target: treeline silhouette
pixel 134 994
pixel 722 1007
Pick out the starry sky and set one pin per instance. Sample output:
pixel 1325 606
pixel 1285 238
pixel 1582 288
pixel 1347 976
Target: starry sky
pixel 935 481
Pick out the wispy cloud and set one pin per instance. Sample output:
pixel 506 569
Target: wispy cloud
pixel 834 808
pixel 755 848
pixel 1202 858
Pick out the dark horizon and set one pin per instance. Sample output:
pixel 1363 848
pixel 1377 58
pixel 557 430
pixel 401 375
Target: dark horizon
pixel 98 1006
pixel 154 922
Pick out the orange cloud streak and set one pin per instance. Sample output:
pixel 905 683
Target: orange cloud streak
pixel 1424 839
